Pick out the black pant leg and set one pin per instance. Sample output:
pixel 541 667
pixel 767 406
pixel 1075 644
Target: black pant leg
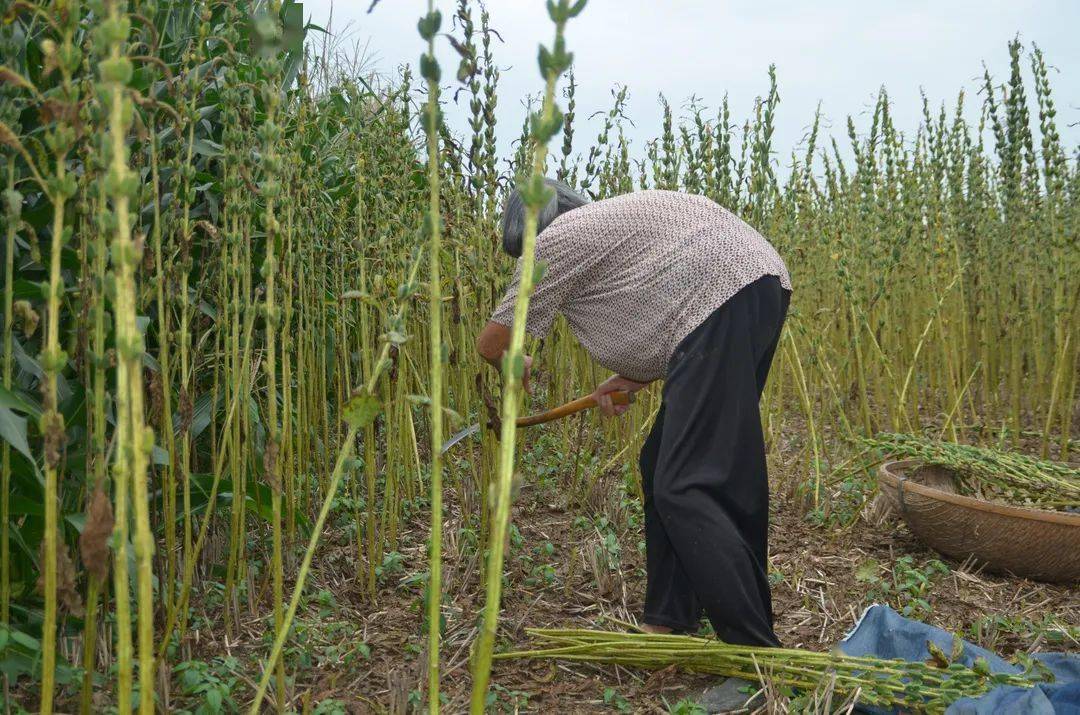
pixel 669 598
pixel 765 362
pixel 711 484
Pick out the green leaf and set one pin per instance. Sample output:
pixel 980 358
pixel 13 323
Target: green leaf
pixel 361 410
pixel 429 69
pixel 213 699
pixel 19 401
pixel 867 571
pixel 77 520
pixel 26 362
pixel 25 640
pixel 201 414
pixel 205 147
pixel 21 505
pixel 429 24
pixel 293 30
pixel 13 431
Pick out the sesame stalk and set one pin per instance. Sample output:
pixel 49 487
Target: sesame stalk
pixel 429 69
pixel 360 411
pixel 60 187
pixel 134 438
pixel 271 189
pixel 920 686
pixel 545 125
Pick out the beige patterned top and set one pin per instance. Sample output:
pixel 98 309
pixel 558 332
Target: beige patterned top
pixel 635 274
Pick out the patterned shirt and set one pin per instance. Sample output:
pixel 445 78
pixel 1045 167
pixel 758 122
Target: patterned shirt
pixel 635 274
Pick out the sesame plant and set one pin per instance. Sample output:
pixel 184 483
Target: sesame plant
pixel 242 279
pixel 543 125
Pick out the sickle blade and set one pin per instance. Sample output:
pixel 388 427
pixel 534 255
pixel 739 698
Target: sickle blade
pixel 470 430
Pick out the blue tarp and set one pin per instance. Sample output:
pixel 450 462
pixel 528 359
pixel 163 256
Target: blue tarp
pixel 884 633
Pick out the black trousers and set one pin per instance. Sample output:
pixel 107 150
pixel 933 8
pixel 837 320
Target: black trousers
pixel 704 475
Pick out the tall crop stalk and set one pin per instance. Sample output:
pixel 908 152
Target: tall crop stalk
pixel 93 541
pixel 12 213
pixel 429 70
pixel 11 204
pixel 164 336
pixel 185 174
pixel 188 576
pixel 61 187
pixel 544 125
pixel 360 411
pixel 134 438
pixel 917 686
pixel 271 189
pixel 366 363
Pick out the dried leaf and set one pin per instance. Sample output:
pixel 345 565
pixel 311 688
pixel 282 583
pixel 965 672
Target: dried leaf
pixel 67 595
pixel 94 540
pixel 270 460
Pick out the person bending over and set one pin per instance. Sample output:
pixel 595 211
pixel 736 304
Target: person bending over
pixel 662 284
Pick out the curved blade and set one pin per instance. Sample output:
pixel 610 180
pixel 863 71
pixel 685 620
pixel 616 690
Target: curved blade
pixel 470 430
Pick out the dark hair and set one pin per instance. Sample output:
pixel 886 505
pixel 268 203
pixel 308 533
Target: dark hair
pixel 513 218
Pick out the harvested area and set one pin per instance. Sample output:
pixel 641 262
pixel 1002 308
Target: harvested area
pixel 568 571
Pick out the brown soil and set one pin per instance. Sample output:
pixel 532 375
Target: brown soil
pixel 819 591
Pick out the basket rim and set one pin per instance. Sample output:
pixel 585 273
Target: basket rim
pixel 886 473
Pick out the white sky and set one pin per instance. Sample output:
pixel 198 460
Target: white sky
pixel 837 52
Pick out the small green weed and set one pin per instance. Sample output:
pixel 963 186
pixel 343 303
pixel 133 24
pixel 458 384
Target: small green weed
pixel 685 706
pixel 209 685
pixel 614 700
pixel 906 586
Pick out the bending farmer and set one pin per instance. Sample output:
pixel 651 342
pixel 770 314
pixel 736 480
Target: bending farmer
pixel 662 284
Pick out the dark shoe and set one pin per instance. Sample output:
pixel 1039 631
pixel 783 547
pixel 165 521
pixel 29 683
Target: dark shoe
pixel 733 695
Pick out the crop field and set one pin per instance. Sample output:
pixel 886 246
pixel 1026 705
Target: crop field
pixel 242 289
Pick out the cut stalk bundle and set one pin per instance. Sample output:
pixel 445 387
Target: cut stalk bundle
pixel 926 687
pixel 991 474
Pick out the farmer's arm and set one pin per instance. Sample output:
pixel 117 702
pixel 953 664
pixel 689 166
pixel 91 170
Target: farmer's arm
pixel 549 293
pixel 494 340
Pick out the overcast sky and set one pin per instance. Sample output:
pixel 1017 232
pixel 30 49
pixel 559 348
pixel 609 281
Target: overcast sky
pixel 838 52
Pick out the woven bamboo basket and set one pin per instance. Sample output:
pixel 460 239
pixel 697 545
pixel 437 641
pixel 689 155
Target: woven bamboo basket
pixel 1033 543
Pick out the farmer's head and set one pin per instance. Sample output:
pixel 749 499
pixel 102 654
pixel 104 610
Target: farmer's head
pixel 513 219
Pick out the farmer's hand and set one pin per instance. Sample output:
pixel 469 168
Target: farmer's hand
pixel 615 383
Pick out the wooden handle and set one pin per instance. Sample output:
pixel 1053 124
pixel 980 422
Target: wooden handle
pixel 581 403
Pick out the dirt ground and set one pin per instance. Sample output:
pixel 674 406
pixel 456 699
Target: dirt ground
pixel 570 566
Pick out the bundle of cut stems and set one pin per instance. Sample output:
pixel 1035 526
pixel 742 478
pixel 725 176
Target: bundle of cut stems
pixel 989 473
pixel 926 687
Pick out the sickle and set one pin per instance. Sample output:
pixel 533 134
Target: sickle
pixel 570 408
